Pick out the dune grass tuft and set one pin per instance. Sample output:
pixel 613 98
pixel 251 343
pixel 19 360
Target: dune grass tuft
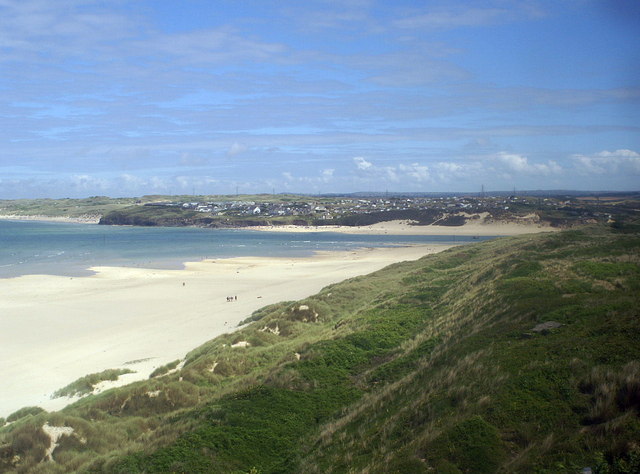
pixel 86 384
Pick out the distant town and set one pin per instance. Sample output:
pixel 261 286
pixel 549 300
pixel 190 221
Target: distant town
pixel 560 209
pixel 334 208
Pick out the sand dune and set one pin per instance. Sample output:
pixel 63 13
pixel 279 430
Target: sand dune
pixel 479 227
pixel 56 329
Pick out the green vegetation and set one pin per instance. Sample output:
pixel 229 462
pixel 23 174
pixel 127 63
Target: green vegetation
pixel 86 384
pixel 437 365
pixel 22 412
pixel 97 206
pixel 165 369
pixel 89 207
pixel 619 210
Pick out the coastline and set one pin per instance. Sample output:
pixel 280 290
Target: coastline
pixel 58 329
pixel 481 228
pixel 75 220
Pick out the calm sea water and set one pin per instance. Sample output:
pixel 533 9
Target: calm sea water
pixel 53 248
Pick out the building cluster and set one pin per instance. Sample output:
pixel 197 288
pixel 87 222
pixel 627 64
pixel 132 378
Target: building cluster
pixel 330 208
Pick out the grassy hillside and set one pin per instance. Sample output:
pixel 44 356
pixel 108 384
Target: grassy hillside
pixel 515 355
pixel 88 207
pixel 97 206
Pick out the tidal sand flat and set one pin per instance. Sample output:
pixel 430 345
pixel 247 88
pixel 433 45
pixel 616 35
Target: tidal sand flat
pixel 57 328
pixel 472 228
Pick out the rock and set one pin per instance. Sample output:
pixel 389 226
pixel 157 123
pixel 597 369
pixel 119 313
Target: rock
pixel 241 344
pixel 545 327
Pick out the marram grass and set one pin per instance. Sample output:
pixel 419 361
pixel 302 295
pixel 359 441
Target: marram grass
pixel 429 366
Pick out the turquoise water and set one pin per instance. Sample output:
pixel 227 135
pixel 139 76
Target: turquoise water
pixel 54 248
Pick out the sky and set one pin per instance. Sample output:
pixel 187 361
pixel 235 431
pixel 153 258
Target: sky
pixel 127 98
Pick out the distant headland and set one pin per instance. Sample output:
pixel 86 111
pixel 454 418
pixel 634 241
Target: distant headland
pixel 357 212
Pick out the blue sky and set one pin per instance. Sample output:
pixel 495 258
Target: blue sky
pixel 123 98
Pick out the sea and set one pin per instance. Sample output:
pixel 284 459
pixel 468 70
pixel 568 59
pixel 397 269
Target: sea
pixel 71 249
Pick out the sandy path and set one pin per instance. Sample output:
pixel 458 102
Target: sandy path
pixel 55 329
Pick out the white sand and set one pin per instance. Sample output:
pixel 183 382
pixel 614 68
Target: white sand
pixel 54 433
pixel 55 329
pixel 479 227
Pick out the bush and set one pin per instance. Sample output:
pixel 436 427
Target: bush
pixel 22 412
pixel 472 445
pixel 30 443
pixel 164 369
pixel 85 384
pixel 606 270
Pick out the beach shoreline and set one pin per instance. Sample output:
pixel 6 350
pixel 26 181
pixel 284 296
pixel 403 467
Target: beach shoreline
pixel 39 218
pixel 58 329
pixel 470 228
pixel 480 227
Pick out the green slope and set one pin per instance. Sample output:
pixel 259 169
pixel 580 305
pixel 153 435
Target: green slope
pixel 439 365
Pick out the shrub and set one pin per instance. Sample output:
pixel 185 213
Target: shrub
pixel 29 442
pixel 259 314
pixel 22 412
pixel 472 445
pixel 164 369
pixel 85 384
pixel 606 270
pixel 613 392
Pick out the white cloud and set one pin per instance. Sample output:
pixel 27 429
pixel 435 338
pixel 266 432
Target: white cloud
pixel 449 168
pixel 416 171
pixel 447 172
pixel 464 15
pixel 520 164
pixel 453 18
pixel 362 164
pixel 187 159
pixel 608 162
pixel 389 173
pixel 236 149
pixel 158 183
pixel 130 179
pixel 327 174
pixel 309 183
pixel 212 46
pixel 87 183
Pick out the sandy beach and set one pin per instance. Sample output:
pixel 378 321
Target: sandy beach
pixel 56 329
pixel 479 227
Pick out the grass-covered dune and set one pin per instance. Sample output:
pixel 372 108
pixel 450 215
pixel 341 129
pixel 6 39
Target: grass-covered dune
pixel 514 355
